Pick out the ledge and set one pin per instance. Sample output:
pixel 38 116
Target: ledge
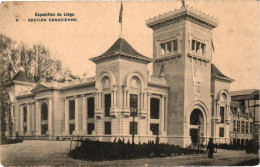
pixel 194 56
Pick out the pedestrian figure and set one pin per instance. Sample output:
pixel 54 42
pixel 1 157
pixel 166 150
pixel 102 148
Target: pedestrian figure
pixel 17 135
pixel 157 140
pixel 210 148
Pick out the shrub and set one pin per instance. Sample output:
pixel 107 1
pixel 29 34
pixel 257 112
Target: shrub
pixel 98 151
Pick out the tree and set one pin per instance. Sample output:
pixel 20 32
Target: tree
pixel 37 63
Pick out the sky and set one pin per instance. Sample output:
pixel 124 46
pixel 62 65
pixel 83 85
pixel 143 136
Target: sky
pixel 236 39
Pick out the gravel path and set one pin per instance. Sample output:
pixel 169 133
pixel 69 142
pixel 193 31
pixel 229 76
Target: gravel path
pixel 37 152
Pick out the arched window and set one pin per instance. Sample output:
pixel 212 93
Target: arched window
pixel 134 83
pixel 106 83
pixel 223 98
pixel 44 111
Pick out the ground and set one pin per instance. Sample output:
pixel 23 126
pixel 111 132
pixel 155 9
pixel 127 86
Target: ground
pixel 38 152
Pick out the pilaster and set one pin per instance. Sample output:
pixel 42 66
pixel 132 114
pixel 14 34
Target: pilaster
pixel 66 117
pixel 50 117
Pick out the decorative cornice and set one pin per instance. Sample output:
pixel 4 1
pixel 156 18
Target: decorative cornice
pixel 118 55
pixel 184 11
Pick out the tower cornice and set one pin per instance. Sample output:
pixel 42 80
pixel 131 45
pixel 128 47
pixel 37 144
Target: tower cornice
pixel 184 12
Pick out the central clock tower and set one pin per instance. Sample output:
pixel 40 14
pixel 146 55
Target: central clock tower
pixel 182 46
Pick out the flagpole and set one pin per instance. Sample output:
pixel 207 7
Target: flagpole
pixel 121 19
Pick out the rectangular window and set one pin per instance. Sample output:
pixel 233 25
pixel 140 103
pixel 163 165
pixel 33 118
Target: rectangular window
pixel 107 128
pixel 107 104
pixel 91 127
pixel 203 48
pixel 25 114
pixel 238 126
pixel 193 45
pixel 247 124
pixel 72 109
pixel 72 128
pixel 175 45
pixel 221 132
pixel 169 47
pixel 243 127
pixel 91 107
pixel 154 108
pixel 154 128
pixel 198 47
pixel 133 105
pixel 251 127
pixel 133 128
pixel 222 114
pixel 234 126
pixel 163 49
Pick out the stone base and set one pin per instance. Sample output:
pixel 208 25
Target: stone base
pixel 50 133
pixel 65 133
pixel 76 133
pixel 29 133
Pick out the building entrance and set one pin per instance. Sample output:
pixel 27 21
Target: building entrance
pixel 196 122
pixel 194 135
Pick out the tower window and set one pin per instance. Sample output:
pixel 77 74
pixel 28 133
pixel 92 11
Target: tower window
pixel 234 126
pixel 243 127
pixel 169 47
pixel 238 126
pixel 247 124
pixel 251 127
pixel 198 47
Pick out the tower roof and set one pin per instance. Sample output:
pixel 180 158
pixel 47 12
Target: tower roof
pixel 186 12
pixel 21 76
pixel 121 47
pixel 216 73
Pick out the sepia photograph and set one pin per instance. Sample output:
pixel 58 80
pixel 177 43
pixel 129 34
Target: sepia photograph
pixel 129 83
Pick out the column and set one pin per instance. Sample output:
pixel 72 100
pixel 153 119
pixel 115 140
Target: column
pixel 33 117
pixel 21 120
pixel 127 99
pixel 162 115
pixel 141 100
pixel 112 99
pixel 50 118
pixel 96 101
pixel 38 120
pixel 84 114
pixel 29 112
pixel 12 112
pixel 124 104
pixel 76 114
pixel 148 113
pixel 66 117
pixel 166 113
pixel 100 100
pixel 115 100
pixel 145 101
